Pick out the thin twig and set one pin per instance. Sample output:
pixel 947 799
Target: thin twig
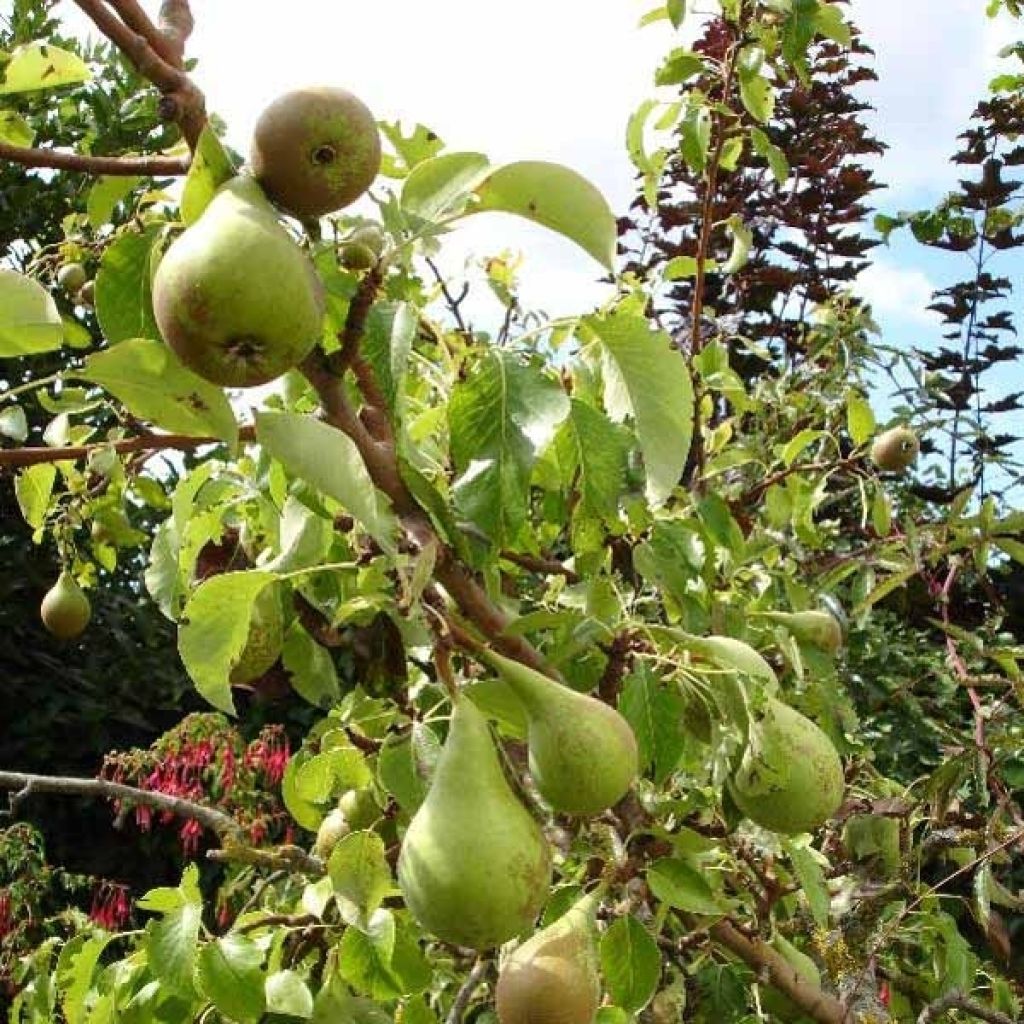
pixel 121 166
pixel 18 458
pixel 957 1000
pixel 476 978
pixel 547 566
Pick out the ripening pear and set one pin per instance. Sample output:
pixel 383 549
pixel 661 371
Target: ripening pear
pixel 790 779
pixel 265 640
pixel 772 1000
pixel 895 450
pixel 235 297
pixel 820 629
pixel 553 977
pixel 474 867
pixel 71 277
pixel 583 754
pixel 315 150
pixel 65 609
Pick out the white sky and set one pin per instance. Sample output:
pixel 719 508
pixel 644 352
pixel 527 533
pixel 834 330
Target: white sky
pixel 557 80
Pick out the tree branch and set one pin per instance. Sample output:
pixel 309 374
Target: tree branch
pixel 166 40
pixel 25 785
pixel 766 963
pixel 182 101
pixel 123 166
pixel 18 458
pixel 476 978
pixel 957 1000
pixel 544 566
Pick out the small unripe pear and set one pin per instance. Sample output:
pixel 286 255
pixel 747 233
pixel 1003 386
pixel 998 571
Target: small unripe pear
pixel 895 450
pixel 332 830
pixel 356 256
pixel 819 628
pixel 65 610
pixel 72 277
pixel 265 639
pixel 359 807
pixel 772 1000
pixel 87 294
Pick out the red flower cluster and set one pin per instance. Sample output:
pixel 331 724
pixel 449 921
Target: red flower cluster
pixel 111 907
pixel 205 760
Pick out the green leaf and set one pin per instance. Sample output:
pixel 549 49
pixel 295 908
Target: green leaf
pixel 411 150
pixel 678 66
pixel 676 12
pixel 812 880
pixel 148 379
pixel 777 162
pixel 499 417
pixel 172 942
pixel 758 96
pixel 372 973
pixel 860 420
pixel 648 380
pixel 742 240
pixel 592 451
pixel 829 22
pixel 230 975
pixel 29 319
pixel 305 538
pixel 556 197
pixel 329 460
pixel 33 488
pixel 211 167
pixel 387 345
pixel 13 423
pixel 798 31
pixel 360 875
pixel 630 963
pixel 214 629
pixel 685 266
pixel 310 667
pixel 405 764
pixel 124 304
pixel 35 66
pixel 105 194
pixel 696 137
pixel 288 993
pixel 682 886
pixel 443 185
pixel 76 967
pixel 655 714
pixel 15 130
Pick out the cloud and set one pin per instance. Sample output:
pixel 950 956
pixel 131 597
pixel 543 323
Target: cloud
pixel 898 294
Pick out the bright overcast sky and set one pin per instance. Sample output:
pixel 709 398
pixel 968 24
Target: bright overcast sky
pixel 557 79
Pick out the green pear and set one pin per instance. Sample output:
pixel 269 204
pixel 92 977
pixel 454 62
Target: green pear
pixel 583 754
pixel 71 277
pixel 265 640
pixel 790 779
pixel 315 150
pixel 553 977
pixel 359 807
pixel 65 609
pixel 235 297
pixel 772 1000
pixel 895 450
pixel 474 867
pixel 332 830
pixel 820 629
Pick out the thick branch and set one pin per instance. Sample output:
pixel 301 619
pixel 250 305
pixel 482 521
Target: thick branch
pixel 169 45
pixel 123 166
pixel 18 458
pixel 208 817
pixel 182 100
pixel 956 1000
pixel 476 978
pixel 768 964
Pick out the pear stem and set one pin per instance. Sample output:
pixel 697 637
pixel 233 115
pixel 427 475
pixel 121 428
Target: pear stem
pixel 477 976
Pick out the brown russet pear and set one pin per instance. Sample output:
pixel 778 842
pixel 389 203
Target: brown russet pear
pixel 474 867
pixel 895 450
pixel 583 754
pixel 65 610
pixel 791 778
pixel 234 296
pixel 315 150
pixel 553 977
pixel 818 628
